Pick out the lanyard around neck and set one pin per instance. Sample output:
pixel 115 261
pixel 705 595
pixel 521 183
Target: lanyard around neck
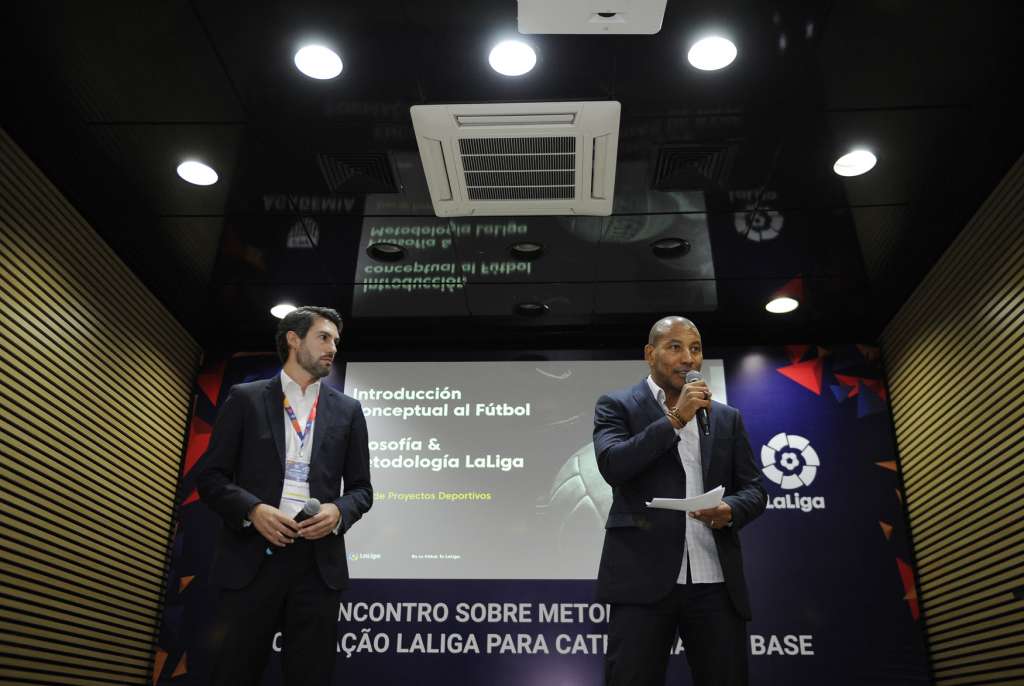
pixel 302 434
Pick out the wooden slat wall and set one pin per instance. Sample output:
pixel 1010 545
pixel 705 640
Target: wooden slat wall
pixel 95 390
pixel 955 360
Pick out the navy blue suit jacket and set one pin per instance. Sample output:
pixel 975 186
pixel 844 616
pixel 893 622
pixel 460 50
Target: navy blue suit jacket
pixel 637 455
pixel 245 464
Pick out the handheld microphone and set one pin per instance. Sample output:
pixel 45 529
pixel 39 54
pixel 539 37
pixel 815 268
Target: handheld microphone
pixel 309 509
pixel 702 413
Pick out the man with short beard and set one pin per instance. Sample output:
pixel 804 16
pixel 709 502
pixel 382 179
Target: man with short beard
pixel 665 573
pixel 276 443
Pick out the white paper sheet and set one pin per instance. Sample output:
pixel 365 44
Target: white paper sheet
pixel 697 502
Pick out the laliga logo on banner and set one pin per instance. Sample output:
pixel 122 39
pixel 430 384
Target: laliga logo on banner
pixel 791 462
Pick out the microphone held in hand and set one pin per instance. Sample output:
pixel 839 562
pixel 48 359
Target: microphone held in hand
pixel 309 509
pixel 702 413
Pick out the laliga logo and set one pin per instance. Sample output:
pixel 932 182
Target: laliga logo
pixel 791 462
pixel 758 224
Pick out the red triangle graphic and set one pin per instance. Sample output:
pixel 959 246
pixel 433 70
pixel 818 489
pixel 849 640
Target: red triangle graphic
pixel 807 374
pixel 158 663
pixel 182 667
pixel 910 591
pixel 877 386
pixel 796 352
pixel 198 441
pixel 794 288
pixel 192 497
pixel 851 381
pixel 886 530
pixel 209 382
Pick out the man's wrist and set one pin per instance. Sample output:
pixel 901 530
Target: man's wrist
pixel 674 418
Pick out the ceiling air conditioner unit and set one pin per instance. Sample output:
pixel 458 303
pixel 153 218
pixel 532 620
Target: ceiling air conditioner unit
pixel 519 159
pixel 604 17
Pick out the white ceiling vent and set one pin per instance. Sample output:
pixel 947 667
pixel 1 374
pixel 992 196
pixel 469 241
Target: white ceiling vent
pixel 526 158
pixel 591 16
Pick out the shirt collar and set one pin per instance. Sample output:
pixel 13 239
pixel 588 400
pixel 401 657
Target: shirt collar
pixel 289 385
pixel 656 390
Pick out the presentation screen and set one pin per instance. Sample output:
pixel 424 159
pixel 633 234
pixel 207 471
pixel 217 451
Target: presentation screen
pixel 486 470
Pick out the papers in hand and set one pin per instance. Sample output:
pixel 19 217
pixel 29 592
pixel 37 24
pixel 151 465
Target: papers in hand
pixel 697 502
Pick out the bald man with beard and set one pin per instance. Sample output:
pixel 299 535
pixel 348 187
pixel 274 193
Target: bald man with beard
pixel 666 573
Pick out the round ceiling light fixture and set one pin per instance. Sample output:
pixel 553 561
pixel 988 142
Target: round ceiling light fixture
pixel 385 252
pixel 855 163
pixel 318 62
pixel 782 305
pixel 670 247
pixel 526 250
pixel 712 53
pixel 531 309
pixel 282 310
pixel 197 173
pixel 512 58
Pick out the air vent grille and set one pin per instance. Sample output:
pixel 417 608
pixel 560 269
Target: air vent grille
pixel 537 168
pixel 686 167
pixel 522 193
pixel 517 146
pixel 357 173
pixel 510 159
pixel 472 163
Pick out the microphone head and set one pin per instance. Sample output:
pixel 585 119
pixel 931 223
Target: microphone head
pixel 311 507
pixel 694 375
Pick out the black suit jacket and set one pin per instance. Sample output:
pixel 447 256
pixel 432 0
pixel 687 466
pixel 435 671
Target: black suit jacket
pixel 245 463
pixel 637 455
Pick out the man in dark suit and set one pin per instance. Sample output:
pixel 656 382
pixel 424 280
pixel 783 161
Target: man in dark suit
pixel 663 572
pixel 277 443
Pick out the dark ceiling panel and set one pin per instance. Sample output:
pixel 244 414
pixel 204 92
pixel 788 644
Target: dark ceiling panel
pixel 122 61
pixel 738 163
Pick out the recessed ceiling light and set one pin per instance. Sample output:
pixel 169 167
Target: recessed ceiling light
pixel 670 247
pixel 782 305
pixel 531 309
pixel 526 250
pixel 512 58
pixel 197 173
pixel 855 163
pixel 281 311
pixel 385 252
pixel 711 53
pixel 318 62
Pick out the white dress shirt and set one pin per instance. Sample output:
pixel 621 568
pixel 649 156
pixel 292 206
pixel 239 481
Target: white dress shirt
pixel 699 545
pixel 296 453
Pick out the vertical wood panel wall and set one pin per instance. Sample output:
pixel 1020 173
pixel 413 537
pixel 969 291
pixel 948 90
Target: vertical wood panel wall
pixel 95 389
pixel 955 362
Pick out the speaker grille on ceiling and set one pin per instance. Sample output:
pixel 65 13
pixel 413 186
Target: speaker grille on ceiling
pixel 357 172
pixel 529 168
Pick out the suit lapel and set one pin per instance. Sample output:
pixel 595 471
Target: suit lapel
pixel 648 405
pixel 324 418
pixel 705 447
pixel 273 398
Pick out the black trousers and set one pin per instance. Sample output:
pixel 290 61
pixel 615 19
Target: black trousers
pixel 714 636
pixel 287 595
